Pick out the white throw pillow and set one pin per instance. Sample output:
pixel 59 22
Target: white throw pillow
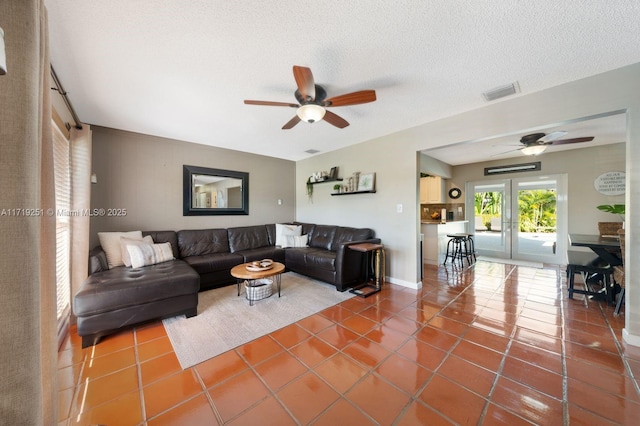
pixel 124 242
pixel 297 240
pixel 110 242
pixel 283 230
pixel 149 254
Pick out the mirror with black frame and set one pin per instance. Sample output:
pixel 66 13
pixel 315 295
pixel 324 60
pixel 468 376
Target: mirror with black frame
pixel 209 191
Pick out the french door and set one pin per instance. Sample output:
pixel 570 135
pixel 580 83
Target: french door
pixel 519 218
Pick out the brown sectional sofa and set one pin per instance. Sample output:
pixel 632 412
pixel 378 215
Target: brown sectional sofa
pixel 110 299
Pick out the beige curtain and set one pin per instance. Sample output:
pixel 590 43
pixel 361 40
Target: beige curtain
pixel 80 201
pixel 28 353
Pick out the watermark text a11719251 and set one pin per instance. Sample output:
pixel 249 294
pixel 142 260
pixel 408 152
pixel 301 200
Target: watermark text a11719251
pixel 36 212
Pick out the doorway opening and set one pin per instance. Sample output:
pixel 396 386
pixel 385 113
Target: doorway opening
pixel 520 218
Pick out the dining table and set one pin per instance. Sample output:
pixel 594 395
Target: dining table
pixel 607 248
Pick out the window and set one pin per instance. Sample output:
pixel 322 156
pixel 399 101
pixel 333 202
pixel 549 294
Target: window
pixel 62 170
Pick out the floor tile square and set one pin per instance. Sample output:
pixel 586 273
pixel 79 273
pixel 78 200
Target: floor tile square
pixel 280 370
pixel 380 400
pixel 220 368
pixel 444 396
pixel 307 397
pixel 341 372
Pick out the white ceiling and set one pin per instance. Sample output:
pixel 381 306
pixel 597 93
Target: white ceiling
pixel 605 130
pixel 181 69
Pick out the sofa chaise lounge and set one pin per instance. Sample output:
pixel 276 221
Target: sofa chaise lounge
pixel 110 299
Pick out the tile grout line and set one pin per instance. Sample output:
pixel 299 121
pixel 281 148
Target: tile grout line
pixel 143 411
pixel 565 378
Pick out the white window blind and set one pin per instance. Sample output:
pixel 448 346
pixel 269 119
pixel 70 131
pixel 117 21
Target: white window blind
pixel 62 169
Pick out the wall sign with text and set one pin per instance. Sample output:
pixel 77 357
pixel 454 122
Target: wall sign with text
pixel 610 183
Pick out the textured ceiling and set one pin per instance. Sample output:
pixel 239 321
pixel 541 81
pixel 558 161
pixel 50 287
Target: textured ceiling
pixel 181 69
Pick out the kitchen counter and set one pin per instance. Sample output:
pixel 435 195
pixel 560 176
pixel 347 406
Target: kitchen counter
pixel 435 238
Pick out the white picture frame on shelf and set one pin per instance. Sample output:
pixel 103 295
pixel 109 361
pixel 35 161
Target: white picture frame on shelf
pixel 367 182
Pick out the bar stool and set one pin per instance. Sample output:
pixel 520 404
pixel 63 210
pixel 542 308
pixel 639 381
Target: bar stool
pixel 460 246
pixel 470 247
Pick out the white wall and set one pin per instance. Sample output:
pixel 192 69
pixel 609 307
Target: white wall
pixel 143 174
pixel 396 161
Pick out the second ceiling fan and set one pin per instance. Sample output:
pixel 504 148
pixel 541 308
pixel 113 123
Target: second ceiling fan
pixel 313 101
pixel 537 143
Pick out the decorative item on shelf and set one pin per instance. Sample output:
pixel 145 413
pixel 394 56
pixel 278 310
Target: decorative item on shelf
pixel 367 182
pixel 337 187
pixel 350 184
pixel 333 174
pixel 356 180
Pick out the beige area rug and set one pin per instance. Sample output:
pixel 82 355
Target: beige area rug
pixel 538 265
pixel 225 321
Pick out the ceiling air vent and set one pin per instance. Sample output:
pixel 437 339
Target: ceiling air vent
pixel 501 92
pixel 312 151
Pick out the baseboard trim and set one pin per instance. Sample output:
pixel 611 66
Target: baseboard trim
pixel 631 339
pixel 408 284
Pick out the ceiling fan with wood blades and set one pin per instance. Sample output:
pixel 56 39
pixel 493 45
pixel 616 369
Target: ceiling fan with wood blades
pixel 312 101
pixel 537 143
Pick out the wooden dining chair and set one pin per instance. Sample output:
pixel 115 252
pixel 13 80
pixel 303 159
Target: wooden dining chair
pixel 618 273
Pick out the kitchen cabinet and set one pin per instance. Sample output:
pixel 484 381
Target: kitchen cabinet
pixel 432 190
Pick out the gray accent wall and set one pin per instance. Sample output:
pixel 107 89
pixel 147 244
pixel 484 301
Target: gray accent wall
pixel 143 174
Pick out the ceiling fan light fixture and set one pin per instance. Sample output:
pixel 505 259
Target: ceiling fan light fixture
pixel 311 113
pixel 534 149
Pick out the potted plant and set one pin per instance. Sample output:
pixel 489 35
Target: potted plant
pixel 613 208
pixel 611 228
pixel 310 189
pixel 337 187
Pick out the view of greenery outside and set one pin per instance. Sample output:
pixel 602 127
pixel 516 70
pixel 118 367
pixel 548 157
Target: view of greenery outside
pixel 537 209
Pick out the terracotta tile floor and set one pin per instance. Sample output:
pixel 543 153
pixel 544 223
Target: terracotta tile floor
pixel 489 344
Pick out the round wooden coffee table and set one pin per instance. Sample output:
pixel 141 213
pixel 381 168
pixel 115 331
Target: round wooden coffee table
pixel 242 273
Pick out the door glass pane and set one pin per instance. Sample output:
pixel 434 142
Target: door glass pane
pixel 537 220
pixel 489 220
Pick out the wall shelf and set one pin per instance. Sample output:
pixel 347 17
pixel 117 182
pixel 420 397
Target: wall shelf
pixel 354 192
pixel 327 180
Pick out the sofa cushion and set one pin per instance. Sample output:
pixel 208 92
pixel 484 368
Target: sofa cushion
pixel 124 242
pixel 285 230
pixel 149 254
pixel 346 234
pixel 310 258
pixel 165 237
pixel 271 231
pixel 214 262
pixel 271 252
pixel 198 242
pixel 322 236
pixel 247 237
pixel 110 242
pixel 322 259
pixel 122 287
pixel 97 260
pixel 297 240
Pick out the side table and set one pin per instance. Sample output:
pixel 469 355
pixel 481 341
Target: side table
pixel 374 260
